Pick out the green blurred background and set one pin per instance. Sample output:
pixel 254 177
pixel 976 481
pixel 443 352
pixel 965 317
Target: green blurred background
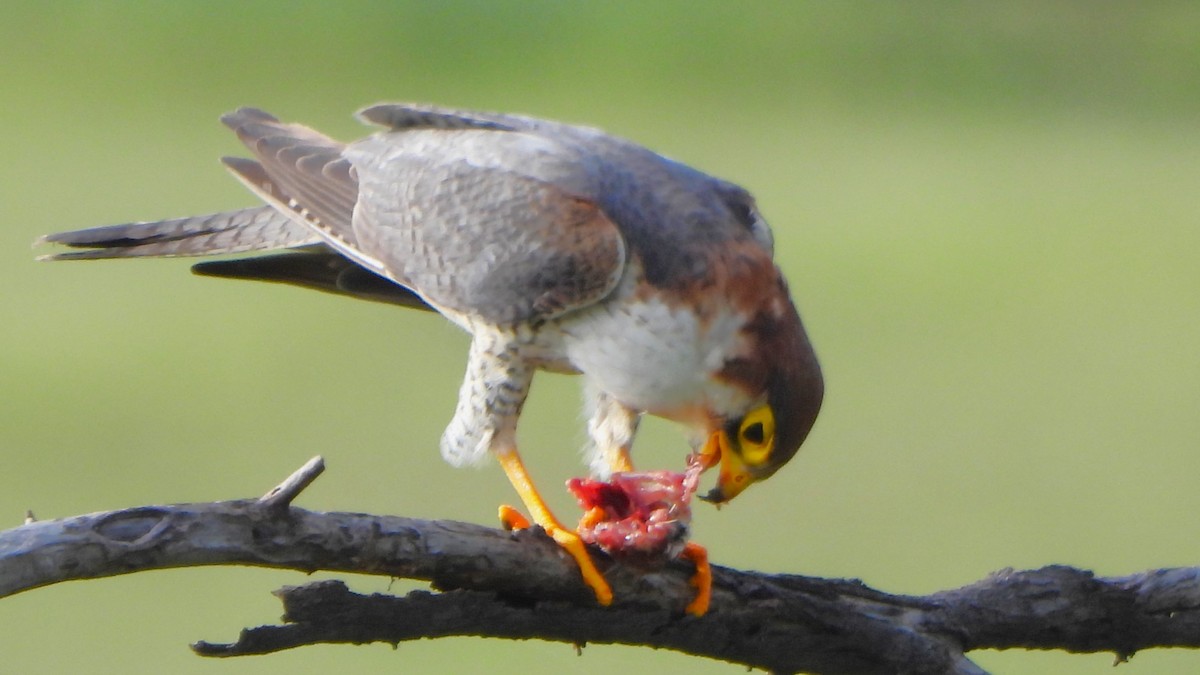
pixel 988 213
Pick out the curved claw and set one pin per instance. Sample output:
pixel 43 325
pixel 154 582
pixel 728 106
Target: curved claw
pixel 701 580
pixel 512 519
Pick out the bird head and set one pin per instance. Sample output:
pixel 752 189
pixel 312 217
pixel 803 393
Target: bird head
pixel 780 370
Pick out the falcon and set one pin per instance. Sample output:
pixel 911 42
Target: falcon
pixel 557 247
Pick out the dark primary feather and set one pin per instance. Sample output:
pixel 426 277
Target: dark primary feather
pixel 321 270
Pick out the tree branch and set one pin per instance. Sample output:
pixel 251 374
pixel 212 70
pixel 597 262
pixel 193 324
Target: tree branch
pixel 520 585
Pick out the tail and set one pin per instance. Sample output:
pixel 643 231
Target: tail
pixel 282 223
pixel 310 190
pixel 254 229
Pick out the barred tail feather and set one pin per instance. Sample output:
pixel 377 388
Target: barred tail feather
pixel 253 229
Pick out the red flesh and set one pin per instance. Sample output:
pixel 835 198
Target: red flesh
pixel 641 514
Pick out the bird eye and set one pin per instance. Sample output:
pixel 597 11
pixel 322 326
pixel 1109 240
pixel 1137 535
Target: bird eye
pixel 757 435
pixel 753 433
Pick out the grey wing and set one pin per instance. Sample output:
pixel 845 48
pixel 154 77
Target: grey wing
pixel 255 229
pixel 500 225
pixel 477 219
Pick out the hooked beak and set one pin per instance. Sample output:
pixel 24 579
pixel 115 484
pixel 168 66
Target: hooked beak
pixel 733 477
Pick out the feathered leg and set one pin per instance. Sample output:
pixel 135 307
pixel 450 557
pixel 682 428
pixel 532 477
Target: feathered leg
pixel 493 391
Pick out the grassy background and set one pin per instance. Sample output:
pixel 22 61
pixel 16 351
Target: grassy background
pixel 988 213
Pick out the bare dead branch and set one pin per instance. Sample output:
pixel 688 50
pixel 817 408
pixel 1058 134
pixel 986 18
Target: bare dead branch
pixel 281 496
pixel 520 585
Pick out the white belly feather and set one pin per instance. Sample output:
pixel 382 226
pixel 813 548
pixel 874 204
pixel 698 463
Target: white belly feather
pixel 654 357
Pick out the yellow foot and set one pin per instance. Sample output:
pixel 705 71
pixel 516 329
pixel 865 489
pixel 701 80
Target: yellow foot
pixel 701 580
pixel 574 546
pixel 621 461
pixel 512 519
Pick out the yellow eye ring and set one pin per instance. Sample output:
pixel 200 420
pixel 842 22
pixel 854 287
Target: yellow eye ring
pixel 756 435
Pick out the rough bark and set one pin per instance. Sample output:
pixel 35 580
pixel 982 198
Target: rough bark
pixel 520 585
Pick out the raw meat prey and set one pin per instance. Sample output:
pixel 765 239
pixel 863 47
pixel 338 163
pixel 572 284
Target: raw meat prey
pixel 638 516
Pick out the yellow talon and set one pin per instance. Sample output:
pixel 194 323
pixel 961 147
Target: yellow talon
pixel 701 580
pixel 512 519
